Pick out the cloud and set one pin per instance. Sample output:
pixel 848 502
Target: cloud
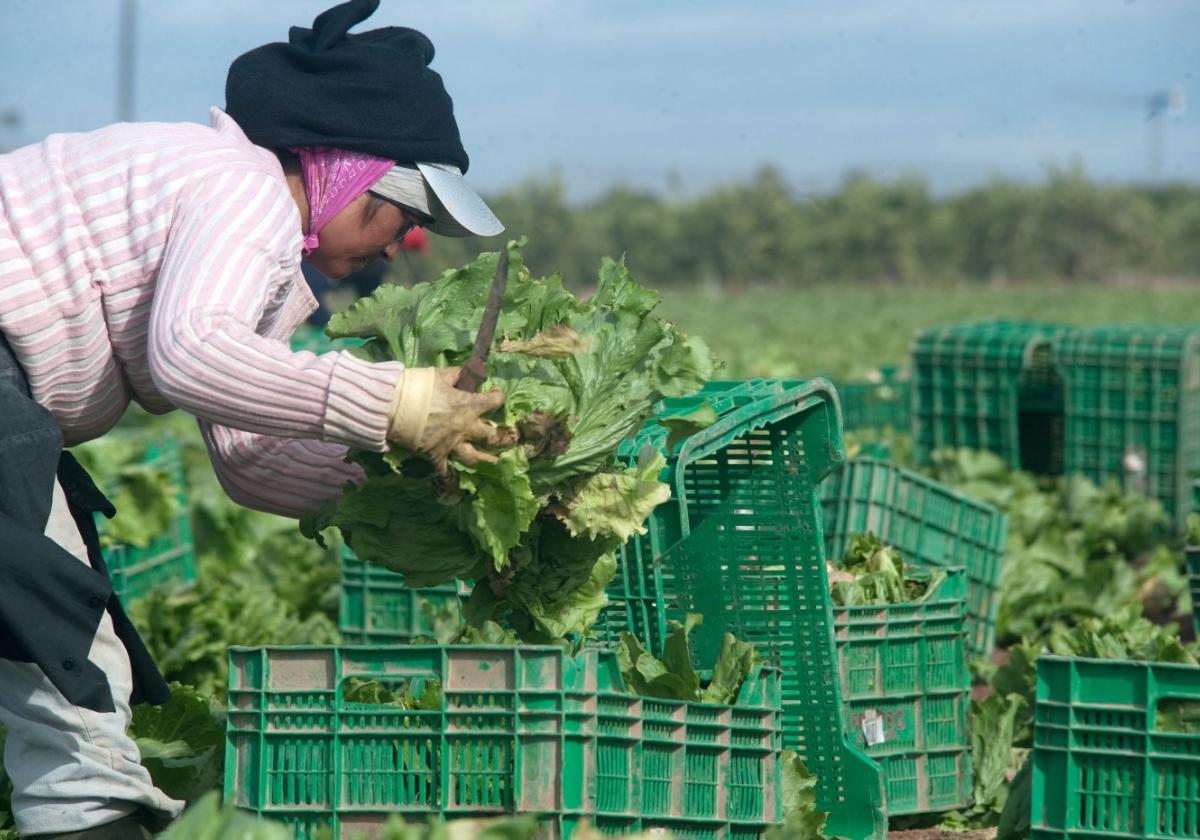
pixel 625 86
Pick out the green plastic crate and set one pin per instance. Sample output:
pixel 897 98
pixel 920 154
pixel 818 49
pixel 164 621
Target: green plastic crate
pixel 170 558
pixel 880 450
pixel 1132 408
pixel 987 385
pixel 1109 402
pixel 876 405
pixel 907 689
pixel 929 523
pixel 377 607
pixel 740 542
pixel 518 730
pixel 1101 765
pixel 313 339
pixel 1192 557
pixel 864 405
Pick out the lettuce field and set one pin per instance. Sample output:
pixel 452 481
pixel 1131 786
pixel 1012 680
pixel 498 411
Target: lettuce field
pixel 1089 572
pixel 847 331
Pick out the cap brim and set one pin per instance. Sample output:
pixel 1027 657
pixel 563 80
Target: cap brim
pixel 456 208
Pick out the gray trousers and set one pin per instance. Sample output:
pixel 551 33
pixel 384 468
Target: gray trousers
pixel 73 768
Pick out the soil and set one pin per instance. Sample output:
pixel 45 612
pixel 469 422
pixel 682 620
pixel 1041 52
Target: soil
pixel 941 834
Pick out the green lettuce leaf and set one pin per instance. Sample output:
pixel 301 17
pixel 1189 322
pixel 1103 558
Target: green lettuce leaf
pixel 616 504
pixel 581 605
pixel 798 794
pixel 501 506
pixel 188 633
pixel 424 696
pixel 873 573
pixel 144 493
pixel 537 530
pixel 557 342
pixel 677 656
pixel 182 742
pixel 1017 814
pixel 735 662
pixel 397 522
pixel 674 677
pixel 207 819
pixel 685 424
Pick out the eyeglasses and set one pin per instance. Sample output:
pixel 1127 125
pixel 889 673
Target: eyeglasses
pixel 412 219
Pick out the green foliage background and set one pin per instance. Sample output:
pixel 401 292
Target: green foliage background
pixel 848 330
pixel 766 231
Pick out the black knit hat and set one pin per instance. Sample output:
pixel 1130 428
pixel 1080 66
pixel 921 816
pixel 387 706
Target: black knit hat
pixel 369 92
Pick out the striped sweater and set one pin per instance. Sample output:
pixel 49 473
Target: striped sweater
pixel 160 263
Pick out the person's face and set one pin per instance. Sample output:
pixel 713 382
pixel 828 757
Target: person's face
pixel 355 238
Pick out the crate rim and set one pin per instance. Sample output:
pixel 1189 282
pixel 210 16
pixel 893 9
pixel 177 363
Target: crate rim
pixel 930 483
pixel 761 411
pixel 1129 663
pixel 760 669
pixel 958 573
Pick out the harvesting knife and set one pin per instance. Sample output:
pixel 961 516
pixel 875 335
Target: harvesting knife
pixel 474 371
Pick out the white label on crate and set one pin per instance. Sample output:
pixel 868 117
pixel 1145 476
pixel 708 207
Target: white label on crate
pixel 872 728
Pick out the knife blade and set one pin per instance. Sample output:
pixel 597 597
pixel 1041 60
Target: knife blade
pixel 475 370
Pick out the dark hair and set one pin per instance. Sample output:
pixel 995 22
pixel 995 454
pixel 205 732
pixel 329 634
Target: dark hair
pixel 289 160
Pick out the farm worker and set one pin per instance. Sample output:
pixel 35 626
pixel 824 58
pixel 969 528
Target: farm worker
pixel 160 263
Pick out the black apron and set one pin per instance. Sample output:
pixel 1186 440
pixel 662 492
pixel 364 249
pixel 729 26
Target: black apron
pixel 50 603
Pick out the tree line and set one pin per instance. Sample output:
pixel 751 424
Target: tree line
pixel 1067 227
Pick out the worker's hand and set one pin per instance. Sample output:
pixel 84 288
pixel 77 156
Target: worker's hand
pixel 430 416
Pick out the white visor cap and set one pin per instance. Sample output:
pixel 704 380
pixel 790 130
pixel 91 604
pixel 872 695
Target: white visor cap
pixel 439 191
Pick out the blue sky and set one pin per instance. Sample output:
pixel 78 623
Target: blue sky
pixel 685 95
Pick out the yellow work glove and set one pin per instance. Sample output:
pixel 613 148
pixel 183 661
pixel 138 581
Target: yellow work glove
pixel 432 417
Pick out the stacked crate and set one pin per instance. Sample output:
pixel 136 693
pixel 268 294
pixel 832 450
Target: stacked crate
pixel 929 524
pixel 740 541
pixel 907 691
pixel 1113 402
pixel 504 731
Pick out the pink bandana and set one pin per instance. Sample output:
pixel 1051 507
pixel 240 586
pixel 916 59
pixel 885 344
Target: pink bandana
pixel 332 179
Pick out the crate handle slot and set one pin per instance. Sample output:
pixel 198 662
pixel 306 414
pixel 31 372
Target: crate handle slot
pixel 1177 715
pixel 416 684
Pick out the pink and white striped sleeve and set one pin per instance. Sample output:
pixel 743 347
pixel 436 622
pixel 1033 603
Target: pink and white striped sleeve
pixel 219 270
pixel 289 477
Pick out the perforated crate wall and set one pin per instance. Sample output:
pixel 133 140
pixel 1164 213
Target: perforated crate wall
pixel 1132 411
pixel 928 523
pixel 1117 402
pixel 169 559
pixel 377 607
pixel 740 542
pixel 876 405
pixel 517 730
pixel 1102 765
pixel 967 380
pixel 907 691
